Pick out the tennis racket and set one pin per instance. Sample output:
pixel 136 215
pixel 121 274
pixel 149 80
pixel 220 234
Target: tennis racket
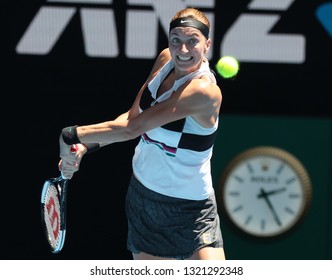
pixel 53 210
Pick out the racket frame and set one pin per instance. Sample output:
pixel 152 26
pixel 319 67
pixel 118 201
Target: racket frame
pixel 60 185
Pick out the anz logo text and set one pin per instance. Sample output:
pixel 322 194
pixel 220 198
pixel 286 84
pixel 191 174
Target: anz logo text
pixel 248 39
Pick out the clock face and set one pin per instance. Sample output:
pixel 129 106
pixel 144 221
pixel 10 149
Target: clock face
pixel 265 191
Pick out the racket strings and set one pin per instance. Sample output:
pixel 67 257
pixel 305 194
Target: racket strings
pixel 52 215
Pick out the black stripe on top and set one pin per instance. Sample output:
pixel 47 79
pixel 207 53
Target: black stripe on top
pixel 196 142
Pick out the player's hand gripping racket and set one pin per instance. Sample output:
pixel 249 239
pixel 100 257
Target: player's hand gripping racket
pixel 53 210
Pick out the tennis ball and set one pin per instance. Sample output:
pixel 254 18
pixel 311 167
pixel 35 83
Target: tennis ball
pixel 227 67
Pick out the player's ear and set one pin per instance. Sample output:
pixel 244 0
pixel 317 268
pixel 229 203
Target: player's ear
pixel 207 46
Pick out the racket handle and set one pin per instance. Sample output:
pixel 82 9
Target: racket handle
pixel 63 176
pixel 73 149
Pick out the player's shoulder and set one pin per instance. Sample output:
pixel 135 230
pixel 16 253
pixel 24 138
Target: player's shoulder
pixel 163 57
pixel 205 84
pixel 203 90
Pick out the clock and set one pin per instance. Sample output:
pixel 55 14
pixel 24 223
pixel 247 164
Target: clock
pixel 265 192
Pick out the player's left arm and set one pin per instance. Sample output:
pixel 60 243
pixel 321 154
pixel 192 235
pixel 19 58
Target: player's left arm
pixel 198 98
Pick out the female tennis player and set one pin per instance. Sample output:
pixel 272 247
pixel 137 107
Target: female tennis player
pixel 170 204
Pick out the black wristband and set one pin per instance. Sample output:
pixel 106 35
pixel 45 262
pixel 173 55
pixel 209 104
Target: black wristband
pixel 91 147
pixel 69 135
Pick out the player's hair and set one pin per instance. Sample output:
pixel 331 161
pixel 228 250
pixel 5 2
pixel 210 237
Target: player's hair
pixel 193 13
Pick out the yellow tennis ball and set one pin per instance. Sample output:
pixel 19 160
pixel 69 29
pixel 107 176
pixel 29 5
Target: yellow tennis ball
pixel 227 67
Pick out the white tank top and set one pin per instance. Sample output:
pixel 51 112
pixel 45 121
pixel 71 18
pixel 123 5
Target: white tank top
pixel 174 159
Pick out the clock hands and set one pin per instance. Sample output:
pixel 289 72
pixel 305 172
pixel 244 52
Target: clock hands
pixel 271 192
pixel 265 195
